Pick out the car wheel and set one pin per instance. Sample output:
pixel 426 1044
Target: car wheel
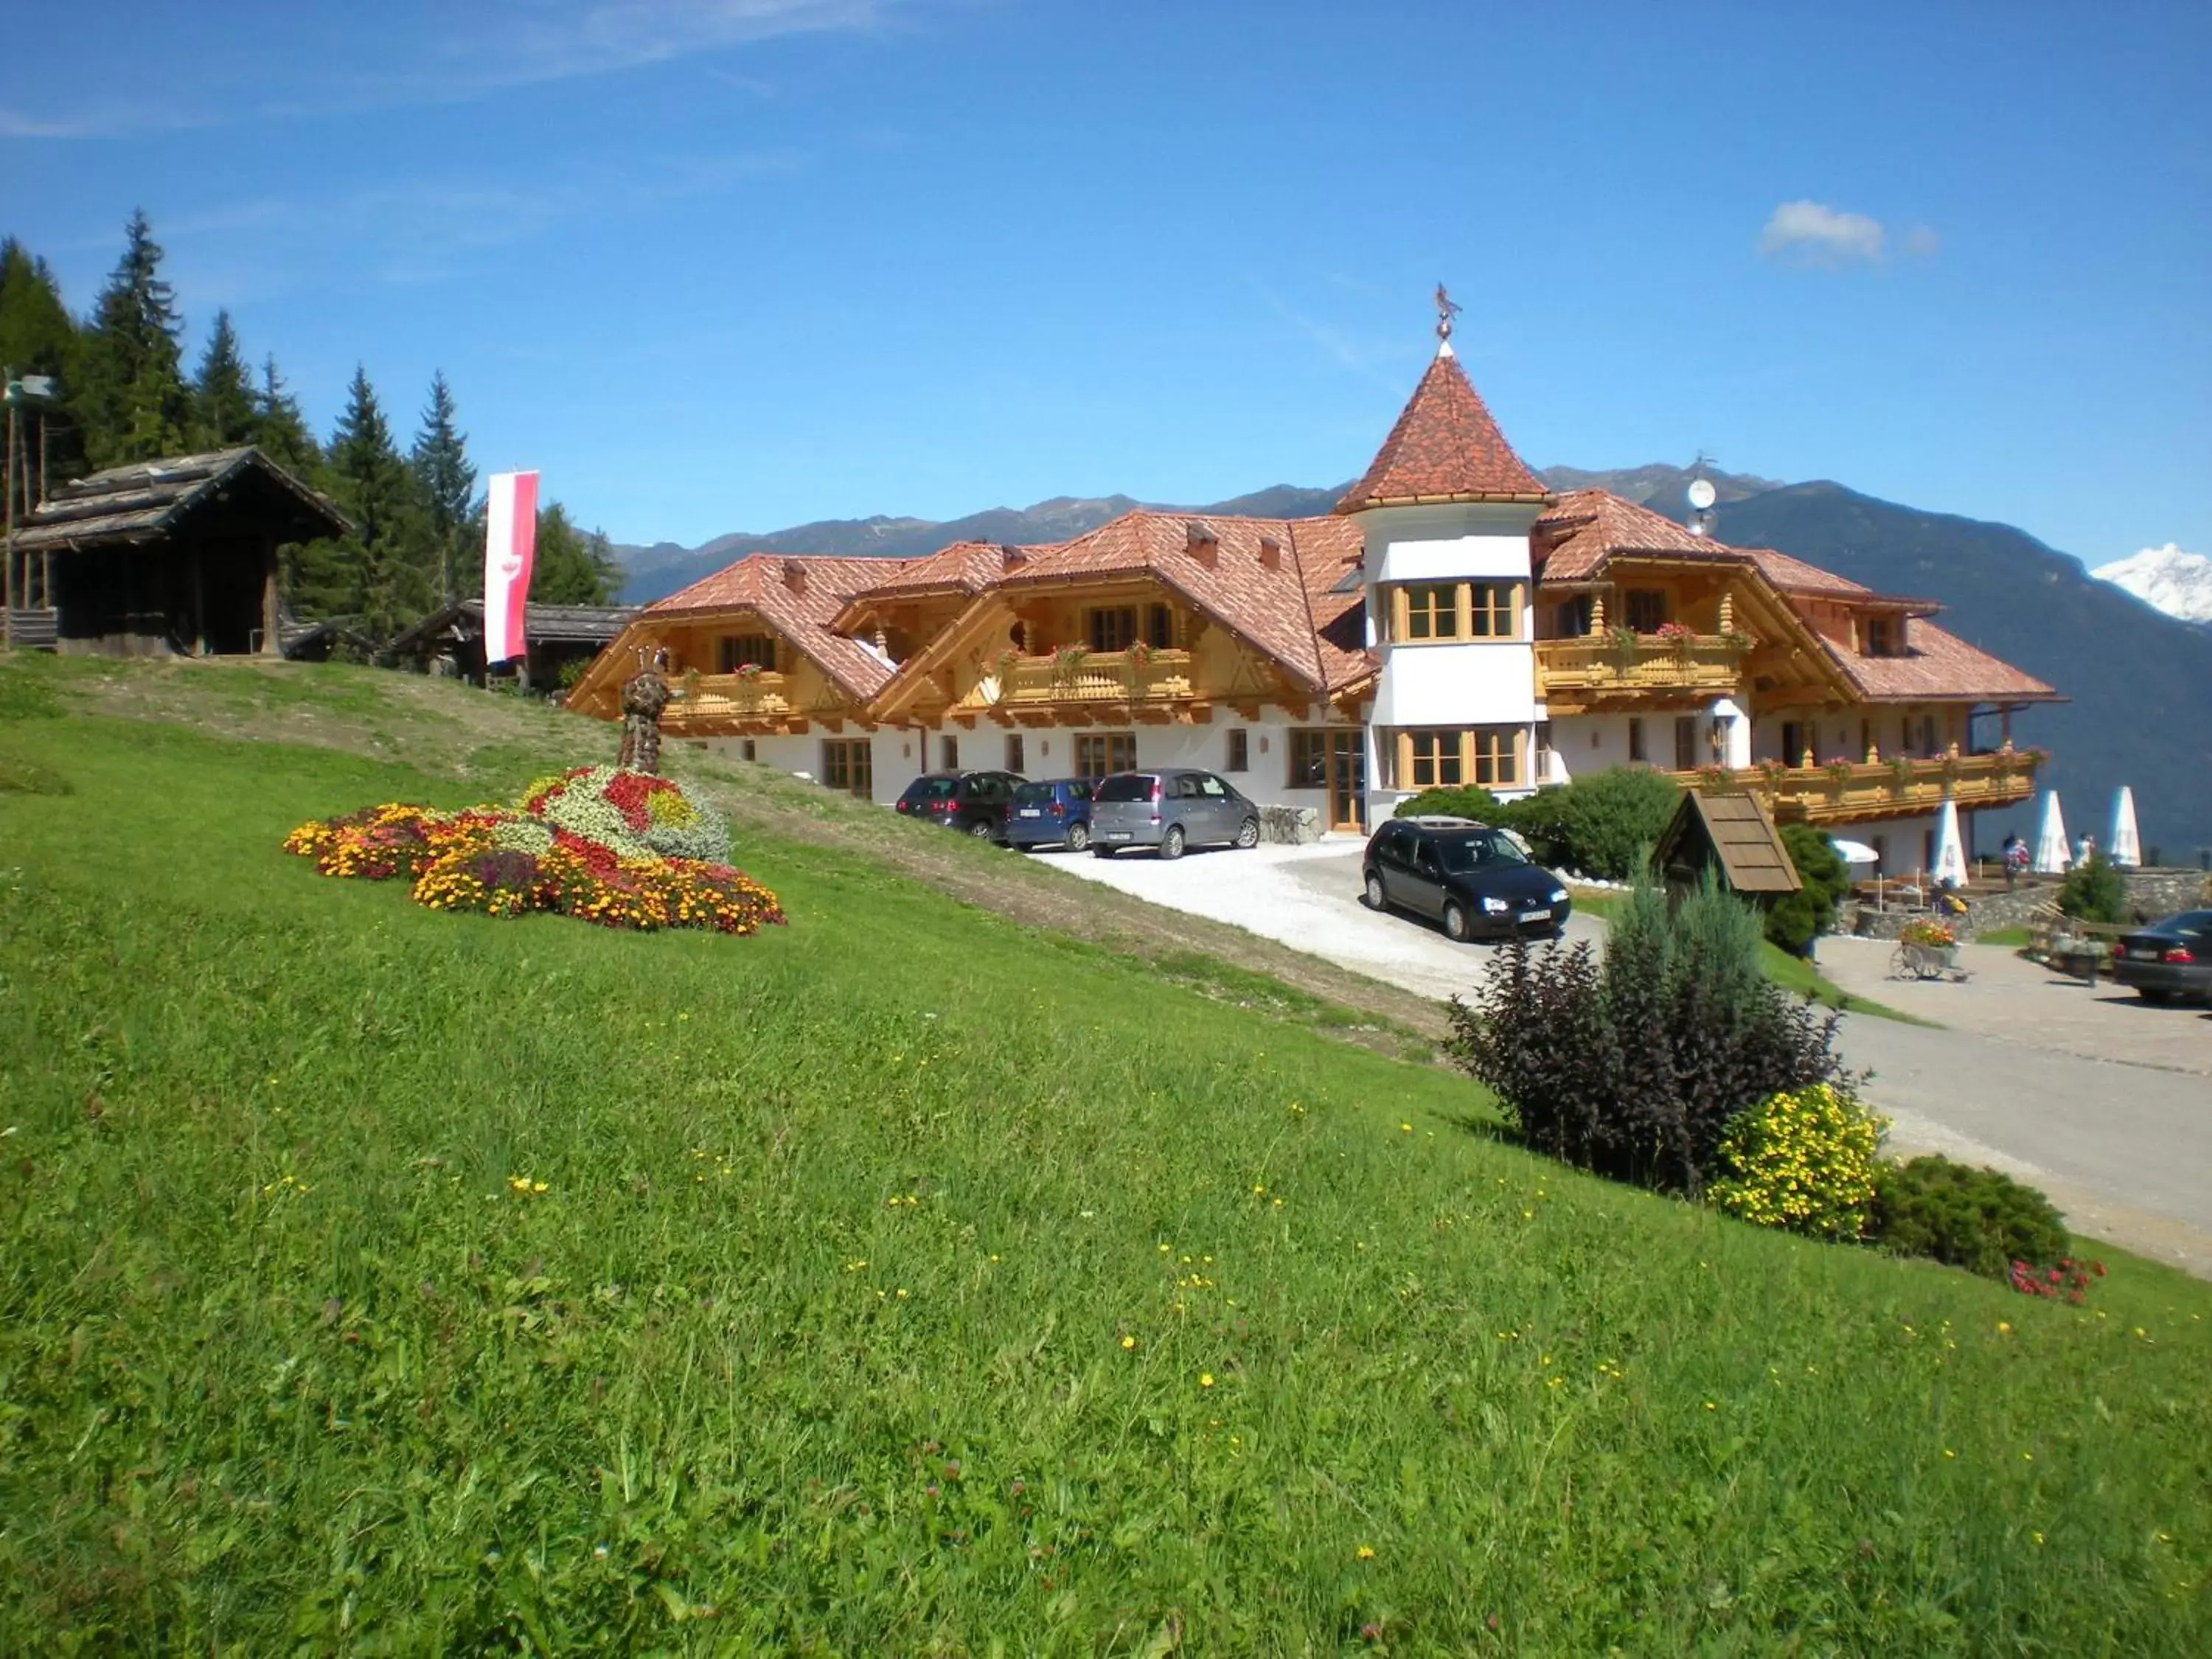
pixel 1376 898
pixel 1078 837
pixel 2154 993
pixel 1455 928
pixel 1248 833
pixel 1171 843
pixel 980 828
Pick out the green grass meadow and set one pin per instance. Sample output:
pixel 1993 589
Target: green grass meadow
pixel 905 1281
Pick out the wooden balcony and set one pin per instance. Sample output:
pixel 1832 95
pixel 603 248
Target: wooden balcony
pixel 1842 791
pixel 1576 674
pixel 1042 684
pixel 715 700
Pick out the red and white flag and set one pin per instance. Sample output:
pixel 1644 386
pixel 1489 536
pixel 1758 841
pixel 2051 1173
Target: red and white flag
pixel 510 546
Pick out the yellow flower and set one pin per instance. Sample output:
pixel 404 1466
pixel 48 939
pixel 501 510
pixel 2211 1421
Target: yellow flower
pixel 1365 1553
pixel 1205 1379
pixel 1129 1342
pixel 2004 1328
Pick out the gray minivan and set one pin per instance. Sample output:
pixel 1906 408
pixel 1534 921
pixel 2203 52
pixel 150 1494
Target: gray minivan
pixel 1171 810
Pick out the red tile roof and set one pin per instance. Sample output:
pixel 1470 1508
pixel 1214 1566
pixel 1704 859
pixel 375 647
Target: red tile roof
pixel 1445 447
pixel 1287 612
pixel 964 567
pixel 802 614
pixel 1937 666
pixel 1576 537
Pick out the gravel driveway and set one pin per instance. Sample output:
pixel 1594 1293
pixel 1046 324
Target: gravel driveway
pixel 2105 1104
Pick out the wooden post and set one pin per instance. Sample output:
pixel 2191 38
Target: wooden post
pixel 7 598
pixel 271 645
pixel 1727 611
pixel 199 604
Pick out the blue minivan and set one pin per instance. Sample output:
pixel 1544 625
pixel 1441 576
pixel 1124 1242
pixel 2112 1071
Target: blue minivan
pixel 1053 813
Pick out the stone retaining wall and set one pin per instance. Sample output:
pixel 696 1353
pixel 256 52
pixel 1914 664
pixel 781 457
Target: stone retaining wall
pixel 1293 826
pixel 2151 894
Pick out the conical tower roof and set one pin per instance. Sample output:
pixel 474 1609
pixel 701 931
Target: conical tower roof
pixel 1445 447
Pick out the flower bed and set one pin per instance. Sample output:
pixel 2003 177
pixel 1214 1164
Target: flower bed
pixel 1935 934
pixel 624 849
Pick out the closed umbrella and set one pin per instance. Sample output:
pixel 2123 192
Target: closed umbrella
pixel 1855 851
pixel 1950 850
pixel 2052 855
pixel 2125 848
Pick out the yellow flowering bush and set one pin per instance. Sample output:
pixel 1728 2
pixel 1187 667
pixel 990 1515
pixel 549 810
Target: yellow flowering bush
pixel 1803 1160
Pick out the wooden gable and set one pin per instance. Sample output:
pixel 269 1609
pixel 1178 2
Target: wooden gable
pixel 1727 831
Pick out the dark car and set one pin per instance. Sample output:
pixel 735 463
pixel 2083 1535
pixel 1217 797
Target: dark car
pixel 1473 879
pixel 2167 959
pixel 1053 813
pixel 975 802
pixel 1171 809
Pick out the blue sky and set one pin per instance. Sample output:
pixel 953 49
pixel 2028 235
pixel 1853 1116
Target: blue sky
pixel 715 265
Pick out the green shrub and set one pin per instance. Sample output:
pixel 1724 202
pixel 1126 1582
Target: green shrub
pixel 2094 891
pixel 1795 920
pixel 1604 824
pixel 1470 802
pixel 1803 1161
pixel 1636 1069
pixel 1978 1219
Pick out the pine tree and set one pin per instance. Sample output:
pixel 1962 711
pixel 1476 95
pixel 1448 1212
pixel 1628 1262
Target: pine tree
pixel 223 415
pixel 379 573
pixel 446 482
pixel 280 430
pixel 37 337
pixel 571 568
pixel 132 398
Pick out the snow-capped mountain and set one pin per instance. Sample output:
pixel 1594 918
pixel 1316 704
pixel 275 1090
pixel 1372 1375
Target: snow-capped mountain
pixel 2177 583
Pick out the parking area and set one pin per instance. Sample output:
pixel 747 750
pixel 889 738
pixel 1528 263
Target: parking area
pixel 1307 897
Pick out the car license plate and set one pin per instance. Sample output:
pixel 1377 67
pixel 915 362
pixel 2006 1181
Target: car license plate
pixel 1117 835
pixel 1032 811
pixel 1535 916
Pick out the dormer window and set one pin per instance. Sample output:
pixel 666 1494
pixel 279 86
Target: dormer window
pixel 1878 636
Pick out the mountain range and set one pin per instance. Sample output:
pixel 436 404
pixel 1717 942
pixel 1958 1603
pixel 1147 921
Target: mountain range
pixel 2138 680
pixel 2177 583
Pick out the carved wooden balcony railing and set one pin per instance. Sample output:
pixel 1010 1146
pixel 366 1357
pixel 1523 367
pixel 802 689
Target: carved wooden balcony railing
pixel 1603 668
pixel 714 698
pixel 1158 675
pixel 1841 791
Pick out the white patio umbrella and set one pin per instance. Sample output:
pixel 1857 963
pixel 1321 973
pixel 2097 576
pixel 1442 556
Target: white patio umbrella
pixel 2053 857
pixel 1853 852
pixel 1950 850
pixel 2125 848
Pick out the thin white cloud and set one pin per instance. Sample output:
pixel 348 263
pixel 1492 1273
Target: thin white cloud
pixel 1922 242
pixel 1812 233
pixel 354 68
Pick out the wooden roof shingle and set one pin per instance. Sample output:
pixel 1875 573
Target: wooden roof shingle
pixel 145 502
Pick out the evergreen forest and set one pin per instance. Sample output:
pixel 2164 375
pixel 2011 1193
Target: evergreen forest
pixel 127 394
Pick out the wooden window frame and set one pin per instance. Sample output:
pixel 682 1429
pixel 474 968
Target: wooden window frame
pixel 1488 757
pixel 1639 753
pixel 848 765
pixel 1103 625
pixel 1110 751
pixel 1159 627
pixel 1016 752
pixel 1239 750
pixel 1307 743
pixel 734 651
pixel 948 752
pixel 1628 608
pixel 1878 637
pixel 1498 599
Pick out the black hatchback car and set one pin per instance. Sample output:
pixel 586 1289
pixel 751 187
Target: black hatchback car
pixel 1473 879
pixel 973 802
pixel 2169 958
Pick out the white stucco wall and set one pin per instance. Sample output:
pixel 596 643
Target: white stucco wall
pixel 1456 685
pixel 1447 543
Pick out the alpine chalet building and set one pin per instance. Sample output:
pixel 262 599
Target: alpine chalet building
pixel 1452 622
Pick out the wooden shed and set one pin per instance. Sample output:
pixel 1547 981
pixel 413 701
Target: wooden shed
pixel 174 557
pixel 1728 832
pixel 452 641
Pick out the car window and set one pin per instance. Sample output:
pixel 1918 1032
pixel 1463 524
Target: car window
pixel 1078 790
pixel 1033 794
pixel 1397 842
pixel 933 789
pixel 1185 788
pixel 1488 850
pixel 1209 785
pixel 1425 857
pixel 1123 786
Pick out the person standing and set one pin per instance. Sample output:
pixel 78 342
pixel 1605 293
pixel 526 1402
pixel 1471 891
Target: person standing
pixel 2014 854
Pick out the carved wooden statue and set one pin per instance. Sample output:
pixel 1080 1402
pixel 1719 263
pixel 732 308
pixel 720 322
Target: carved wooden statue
pixel 643 697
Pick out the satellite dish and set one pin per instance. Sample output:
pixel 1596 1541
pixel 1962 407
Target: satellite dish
pixel 1702 494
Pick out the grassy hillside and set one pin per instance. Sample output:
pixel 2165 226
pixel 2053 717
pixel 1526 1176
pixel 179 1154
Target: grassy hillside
pixel 913 1279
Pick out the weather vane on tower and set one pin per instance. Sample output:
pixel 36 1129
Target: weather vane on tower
pixel 1446 310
